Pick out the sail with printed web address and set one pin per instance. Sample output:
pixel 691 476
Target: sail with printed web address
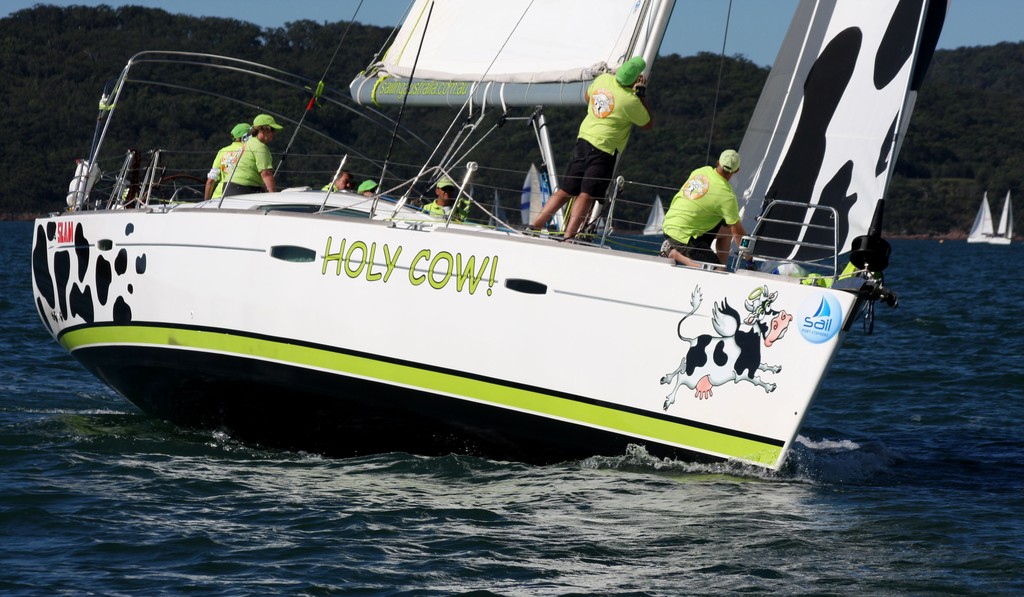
pixel 512 53
pixel 858 65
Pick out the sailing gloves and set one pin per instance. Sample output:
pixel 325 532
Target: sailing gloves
pixel 640 87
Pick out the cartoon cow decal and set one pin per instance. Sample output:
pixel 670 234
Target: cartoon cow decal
pixel 732 354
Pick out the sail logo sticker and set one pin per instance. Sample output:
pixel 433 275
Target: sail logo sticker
pixel 820 318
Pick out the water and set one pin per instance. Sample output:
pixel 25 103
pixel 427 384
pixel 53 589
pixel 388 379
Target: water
pixel 908 479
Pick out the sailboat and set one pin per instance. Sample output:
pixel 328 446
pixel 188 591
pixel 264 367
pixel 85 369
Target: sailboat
pixel 656 217
pixel 1004 232
pixel 982 230
pixel 339 324
pixel 534 195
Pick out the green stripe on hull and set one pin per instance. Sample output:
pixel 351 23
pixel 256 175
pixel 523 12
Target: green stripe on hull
pixel 446 382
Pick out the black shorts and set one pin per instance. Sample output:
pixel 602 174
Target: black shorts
pixel 240 189
pixel 698 249
pixel 590 171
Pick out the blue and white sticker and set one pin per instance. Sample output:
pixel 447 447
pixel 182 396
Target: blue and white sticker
pixel 820 318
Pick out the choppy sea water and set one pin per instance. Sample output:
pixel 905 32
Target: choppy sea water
pixel 908 480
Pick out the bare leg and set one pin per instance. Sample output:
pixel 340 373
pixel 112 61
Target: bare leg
pixel 555 202
pixel 722 244
pixel 683 259
pixel 580 212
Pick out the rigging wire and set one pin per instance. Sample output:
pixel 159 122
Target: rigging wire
pixel 319 89
pixel 401 111
pixel 718 87
pixel 445 162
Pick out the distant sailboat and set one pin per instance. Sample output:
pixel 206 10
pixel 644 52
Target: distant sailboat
pixel 656 217
pixel 983 232
pixel 535 194
pixel 982 229
pixel 1004 232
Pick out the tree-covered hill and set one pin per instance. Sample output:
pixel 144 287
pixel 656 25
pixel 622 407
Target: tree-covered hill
pixel 965 136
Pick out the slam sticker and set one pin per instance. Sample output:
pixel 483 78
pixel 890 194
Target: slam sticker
pixel 820 318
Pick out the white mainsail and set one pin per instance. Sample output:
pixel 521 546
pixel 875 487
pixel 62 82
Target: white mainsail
pixel 830 121
pixel 982 231
pixel 512 53
pixel 1004 232
pixel 656 217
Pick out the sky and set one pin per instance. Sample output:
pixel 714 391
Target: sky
pixel 756 27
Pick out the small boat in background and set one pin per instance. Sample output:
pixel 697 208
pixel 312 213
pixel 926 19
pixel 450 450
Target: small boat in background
pixel 656 218
pixel 983 231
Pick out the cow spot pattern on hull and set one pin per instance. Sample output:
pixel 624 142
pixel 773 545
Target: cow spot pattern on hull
pixel 64 285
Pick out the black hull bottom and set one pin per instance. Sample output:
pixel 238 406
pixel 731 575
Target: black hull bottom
pixel 291 408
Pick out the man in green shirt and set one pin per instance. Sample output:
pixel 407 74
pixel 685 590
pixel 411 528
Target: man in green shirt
pixel 254 170
pixel 342 183
pixel 225 160
pixel 614 104
pixel 698 212
pixel 445 202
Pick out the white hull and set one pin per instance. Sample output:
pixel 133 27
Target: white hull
pixel 344 334
pixel 363 322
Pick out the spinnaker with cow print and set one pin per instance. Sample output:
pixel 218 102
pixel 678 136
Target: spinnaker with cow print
pixel 345 322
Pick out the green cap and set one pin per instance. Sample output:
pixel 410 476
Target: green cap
pixel 240 130
pixel 445 183
pixel 266 120
pixel 367 185
pixel 730 160
pixel 630 70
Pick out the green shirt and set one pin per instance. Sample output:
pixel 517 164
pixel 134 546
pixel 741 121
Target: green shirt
pixel 612 110
pixel 703 201
pixel 438 211
pixel 225 160
pixel 255 158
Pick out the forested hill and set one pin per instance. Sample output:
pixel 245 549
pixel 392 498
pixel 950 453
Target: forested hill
pixel 966 135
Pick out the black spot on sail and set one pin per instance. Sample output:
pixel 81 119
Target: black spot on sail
pixel 933 22
pixel 885 151
pixel 103 279
pixel 835 194
pixel 81 252
pixel 140 264
pixel 129 229
pixel 824 87
pixel 897 44
pixel 81 304
pixel 51 230
pixel 41 269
